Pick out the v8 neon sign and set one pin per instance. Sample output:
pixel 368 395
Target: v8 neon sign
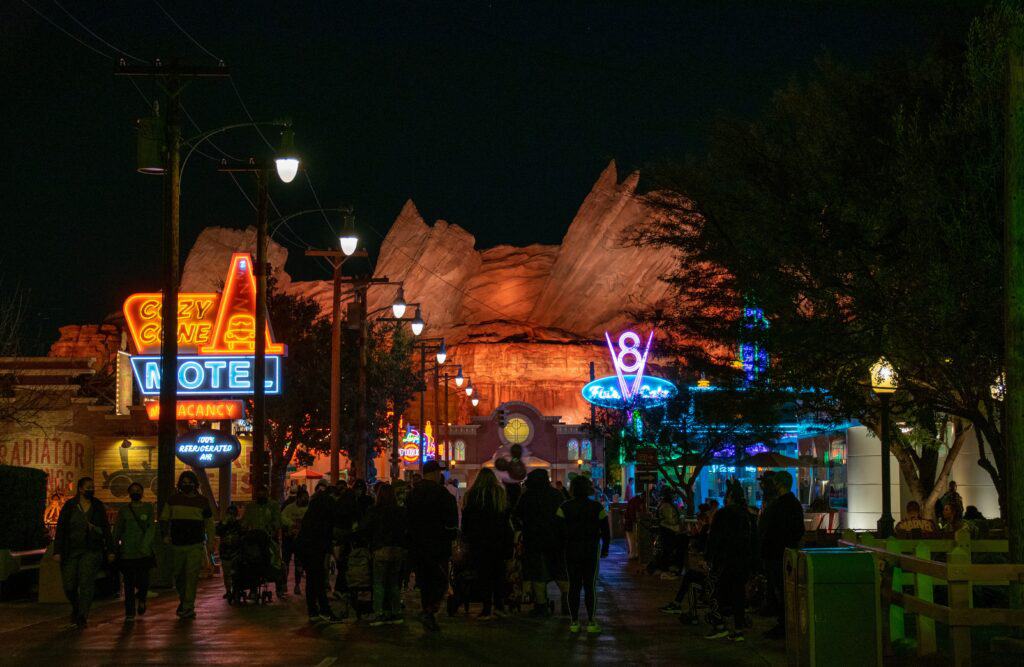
pixel 629 348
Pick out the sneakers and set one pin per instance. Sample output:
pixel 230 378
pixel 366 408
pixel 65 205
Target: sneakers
pixel 574 628
pixel 378 620
pixel 671 608
pixel 593 628
pixel 395 620
pixel 333 619
pixel 736 636
pixel 717 633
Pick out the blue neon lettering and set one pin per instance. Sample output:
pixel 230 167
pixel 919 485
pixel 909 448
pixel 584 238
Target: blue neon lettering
pixel 152 375
pixel 215 368
pixel 193 368
pixel 238 375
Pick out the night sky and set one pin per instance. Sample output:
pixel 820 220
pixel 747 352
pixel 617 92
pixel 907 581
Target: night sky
pixel 495 116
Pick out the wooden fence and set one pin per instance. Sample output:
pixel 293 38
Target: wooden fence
pixel 922 565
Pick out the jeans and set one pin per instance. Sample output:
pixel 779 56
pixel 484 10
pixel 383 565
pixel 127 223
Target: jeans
pixel 186 563
pixel 136 582
pixel 387 578
pixel 432 579
pixel 490 573
pixel 78 575
pixel 316 583
pixel 582 576
pixel 287 553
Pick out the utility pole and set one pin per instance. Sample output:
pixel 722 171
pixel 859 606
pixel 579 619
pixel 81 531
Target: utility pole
pixel 337 258
pixel 173 79
pixel 1013 193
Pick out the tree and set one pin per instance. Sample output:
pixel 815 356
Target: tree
pixel 862 213
pixel 391 382
pixel 300 416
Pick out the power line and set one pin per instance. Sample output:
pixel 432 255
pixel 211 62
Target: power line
pixel 91 32
pixel 58 27
pixel 186 33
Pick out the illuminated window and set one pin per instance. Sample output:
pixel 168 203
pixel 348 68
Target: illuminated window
pixel 573 452
pixel 516 431
pixel 459 449
pixel 587 451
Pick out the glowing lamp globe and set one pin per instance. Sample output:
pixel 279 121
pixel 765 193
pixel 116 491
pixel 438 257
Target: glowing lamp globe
pixel 469 388
pixel 475 401
pixel 442 354
pixel 459 379
pixel 883 377
pixel 287 160
pixel 417 323
pixel 398 307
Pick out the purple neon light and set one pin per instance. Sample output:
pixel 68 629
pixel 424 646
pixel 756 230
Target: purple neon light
pixel 622 369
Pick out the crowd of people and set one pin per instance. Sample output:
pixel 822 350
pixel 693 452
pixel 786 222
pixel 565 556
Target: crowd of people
pixel 722 552
pixel 499 544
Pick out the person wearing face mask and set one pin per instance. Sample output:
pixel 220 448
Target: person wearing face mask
pixel 134 531
pixel 291 522
pixel 187 522
pixel 265 516
pixel 81 539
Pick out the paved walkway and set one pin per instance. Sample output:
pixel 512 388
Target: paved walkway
pixel 634 633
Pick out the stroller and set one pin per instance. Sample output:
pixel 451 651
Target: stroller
pixel 359 579
pixel 253 569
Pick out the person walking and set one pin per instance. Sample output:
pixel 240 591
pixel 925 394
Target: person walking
pixel 187 522
pixel 433 520
pixel 291 521
pixel 670 534
pixel 487 531
pixel 586 537
pixel 781 528
pixel 312 546
pixel 543 552
pixel 385 527
pixel 635 508
pixel 134 533
pixel 265 516
pixel 730 548
pixel 81 539
pixel 229 537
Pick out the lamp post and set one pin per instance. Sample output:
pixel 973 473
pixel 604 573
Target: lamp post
pixel 398 308
pixel 459 379
pixel 286 164
pixel 884 384
pixel 442 354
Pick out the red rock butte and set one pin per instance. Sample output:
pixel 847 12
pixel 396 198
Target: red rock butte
pixel 524 323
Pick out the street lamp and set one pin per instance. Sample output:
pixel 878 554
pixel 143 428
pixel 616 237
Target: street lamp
pixel 475 401
pixel 884 384
pixel 417 323
pixel 398 307
pixel 469 388
pixel 348 239
pixel 459 379
pixel 442 354
pixel 287 159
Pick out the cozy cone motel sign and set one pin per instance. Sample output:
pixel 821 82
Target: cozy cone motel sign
pixel 216 340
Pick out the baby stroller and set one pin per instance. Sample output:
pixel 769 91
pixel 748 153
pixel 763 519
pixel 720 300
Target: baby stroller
pixel 359 578
pixel 253 569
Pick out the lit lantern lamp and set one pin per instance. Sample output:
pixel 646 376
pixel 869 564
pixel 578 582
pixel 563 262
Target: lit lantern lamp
pixel 883 377
pixel 884 384
pixel 287 160
pixel 348 240
pixel 398 307
pixel 442 354
pixel 417 323
pixel 469 388
pixel 459 379
pixel 998 388
pixel 475 401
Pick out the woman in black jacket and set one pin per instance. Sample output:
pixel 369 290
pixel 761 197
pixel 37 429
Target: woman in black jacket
pixel 487 532
pixel 384 526
pixel 79 544
pixel 730 553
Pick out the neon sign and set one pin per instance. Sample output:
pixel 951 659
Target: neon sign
pixel 216 341
pixel 207 376
pixel 410 450
pixel 629 388
pixel 208 323
pixel 207 448
pixel 208 410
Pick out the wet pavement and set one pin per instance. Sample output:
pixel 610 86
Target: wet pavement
pixel 278 634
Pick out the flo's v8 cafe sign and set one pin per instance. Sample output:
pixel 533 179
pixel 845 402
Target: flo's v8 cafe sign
pixel 216 339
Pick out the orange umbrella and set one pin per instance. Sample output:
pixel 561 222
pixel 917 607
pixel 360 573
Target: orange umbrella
pixel 305 475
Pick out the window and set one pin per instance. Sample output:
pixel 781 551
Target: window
pixel 573 452
pixel 459 450
pixel 587 451
pixel 516 431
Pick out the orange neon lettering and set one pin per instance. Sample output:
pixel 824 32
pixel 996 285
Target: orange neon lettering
pixel 213 410
pixel 235 328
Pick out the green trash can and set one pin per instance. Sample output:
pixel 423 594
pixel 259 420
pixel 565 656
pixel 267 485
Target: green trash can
pixel 832 607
